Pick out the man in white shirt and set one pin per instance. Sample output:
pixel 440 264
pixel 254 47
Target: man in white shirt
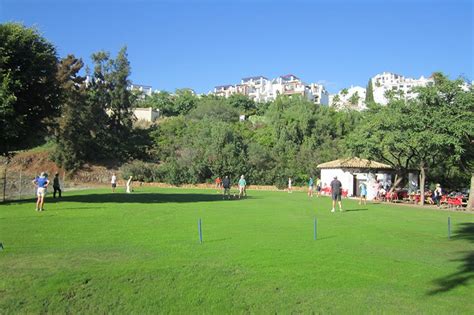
pixel 113 181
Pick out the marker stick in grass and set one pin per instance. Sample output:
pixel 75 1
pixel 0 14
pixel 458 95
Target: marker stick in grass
pixel 315 229
pixel 449 227
pixel 200 230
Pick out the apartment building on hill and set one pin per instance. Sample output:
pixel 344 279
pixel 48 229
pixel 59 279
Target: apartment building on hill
pixel 262 89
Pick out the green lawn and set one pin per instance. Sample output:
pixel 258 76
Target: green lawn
pixel 97 252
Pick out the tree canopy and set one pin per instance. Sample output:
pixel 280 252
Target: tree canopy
pixel 29 90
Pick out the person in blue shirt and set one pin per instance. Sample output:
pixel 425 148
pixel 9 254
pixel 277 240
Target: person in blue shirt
pixel 41 183
pixel 242 187
pixel 363 193
pixel 310 187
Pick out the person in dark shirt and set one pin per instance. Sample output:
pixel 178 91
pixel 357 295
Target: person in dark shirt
pixel 226 186
pixel 56 186
pixel 336 187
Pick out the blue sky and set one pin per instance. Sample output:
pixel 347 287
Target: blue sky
pixel 201 44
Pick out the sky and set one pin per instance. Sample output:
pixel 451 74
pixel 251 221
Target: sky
pixel 202 44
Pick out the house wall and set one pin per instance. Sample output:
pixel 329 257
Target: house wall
pixel 148 114
pixel 347 180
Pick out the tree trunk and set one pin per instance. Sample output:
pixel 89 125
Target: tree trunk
pixel 422 184
pixel 397 181
pixel 470 202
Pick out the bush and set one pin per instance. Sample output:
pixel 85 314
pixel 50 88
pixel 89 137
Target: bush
pixel 142 171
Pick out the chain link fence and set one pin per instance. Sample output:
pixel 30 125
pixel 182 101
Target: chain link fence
pixel 16 185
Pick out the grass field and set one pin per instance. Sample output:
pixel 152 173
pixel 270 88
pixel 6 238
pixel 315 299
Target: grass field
pixel 97 252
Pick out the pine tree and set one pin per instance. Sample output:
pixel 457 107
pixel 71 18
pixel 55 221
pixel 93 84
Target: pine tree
pixel 72 133
pixel 369 96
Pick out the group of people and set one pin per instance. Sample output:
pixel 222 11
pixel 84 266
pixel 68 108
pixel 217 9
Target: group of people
pixel 128 185
pixel 336 190
pixel 311 187
pixel 225 185
pixel 41 183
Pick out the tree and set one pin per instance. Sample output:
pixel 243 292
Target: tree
pixel 369 95
pixel 73 137
pixel 29 91
pixel 110 103
pixel 243 103
pixel 185 101
pixel 336 101
pixel 450 105
pixel 354 99
pixel 419 133
pixel 163 101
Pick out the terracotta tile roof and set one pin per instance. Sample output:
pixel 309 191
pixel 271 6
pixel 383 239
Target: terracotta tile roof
pixel 354 163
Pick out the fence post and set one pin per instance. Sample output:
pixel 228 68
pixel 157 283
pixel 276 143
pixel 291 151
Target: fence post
pixel 449 227
pixel 4 181
pixel 21 169
pixel 200 230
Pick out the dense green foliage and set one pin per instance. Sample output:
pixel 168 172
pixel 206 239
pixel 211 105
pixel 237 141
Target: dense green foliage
pixel 290 139
pixel 28 87
pixel 200 137
pixel 98 252
pixel 96 124
pixel 431 132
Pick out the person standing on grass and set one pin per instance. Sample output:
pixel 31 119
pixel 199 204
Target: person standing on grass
pixel 41 183
pixel 310 187
pixel 242 187
pixel 129 185
pixel 226 186
pixel 437 193
pixel 318 187
pixel 218 183
pixel 56 186
pixel 289 185
pixel 336 188
pixel 363 193
pixel 113 182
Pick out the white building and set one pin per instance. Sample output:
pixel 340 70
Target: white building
pixel 353 171
pixel 145 89
pixel 147 114
pixel 390 82
pixel 351 98
pixel 261 89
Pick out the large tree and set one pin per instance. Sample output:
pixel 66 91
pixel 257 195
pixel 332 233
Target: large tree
pixel 419 133
pixel 29 91
pixel 73 133
pixel 110 104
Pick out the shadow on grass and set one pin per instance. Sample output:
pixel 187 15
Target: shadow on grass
pixel 358 209
pixel 134 198
pixel 465 273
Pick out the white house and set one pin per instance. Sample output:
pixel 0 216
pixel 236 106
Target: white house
pixel 352 171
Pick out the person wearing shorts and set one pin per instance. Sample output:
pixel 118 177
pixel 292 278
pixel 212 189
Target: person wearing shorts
pixel 318 186
pixel 336 188
pixel 226 186
pixel 41 183
pixel 310 187
pixel 363 193
pixel 113 182
pixel 242 187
